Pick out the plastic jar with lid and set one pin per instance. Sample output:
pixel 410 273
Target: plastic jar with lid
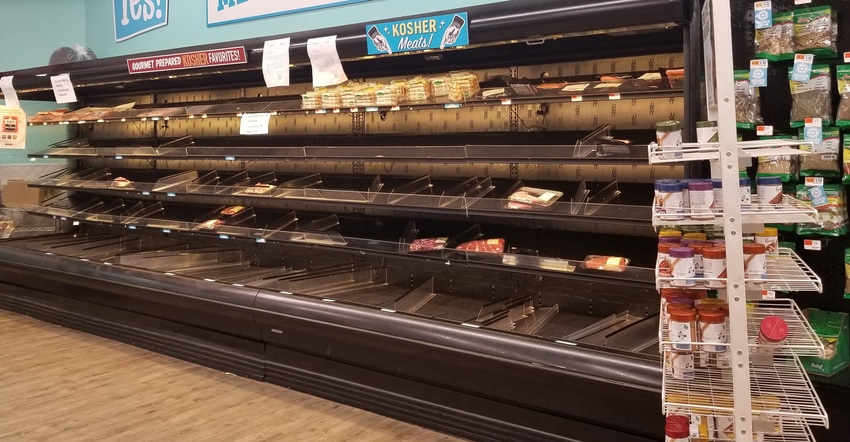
pixel 770 238
pixel 669 233
pixel 717 189
pixel 712 329
pixel 695 236
pixel 680 365
pixel 701 196
pixel 755 262
pixel 682 266
pixel 677 428
pixel 698 257
pixel 662 262
pixel 746 192
pixel 682 328
pixel 714 266
pixel 668 135
pixel 769 190
pixel 772 331
pixel 697 295
pixel 669 203
pixel 707 132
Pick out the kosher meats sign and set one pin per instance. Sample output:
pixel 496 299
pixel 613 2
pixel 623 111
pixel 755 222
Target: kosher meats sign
pixel 436 32
pixel 188 60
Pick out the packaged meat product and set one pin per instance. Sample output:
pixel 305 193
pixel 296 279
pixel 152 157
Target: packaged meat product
pixel 232 210
pixel 122 183
pixel 426 244
pixel 259 189
pixel 210 224
pixel 483 245
pixel 311 100
pixel 607 263
pixel 533 198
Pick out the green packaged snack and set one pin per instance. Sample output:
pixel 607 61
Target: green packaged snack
pixel 783 166
pixel 823 160
pixel 847 273
pixel 776 42
pixel 831 205
pixel 747 103
pixel 811 99
pixel 815 31
pixel 842 76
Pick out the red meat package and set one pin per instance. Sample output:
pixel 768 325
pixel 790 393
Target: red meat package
pixel 609 263
pixel 425 244
pixel 483 245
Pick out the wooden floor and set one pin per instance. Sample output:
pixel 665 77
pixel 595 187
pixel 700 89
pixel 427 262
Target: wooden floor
pixel 58 384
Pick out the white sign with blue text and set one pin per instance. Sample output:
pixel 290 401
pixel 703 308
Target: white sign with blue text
pixel 133 17
pixel 436 32
pixel 221 12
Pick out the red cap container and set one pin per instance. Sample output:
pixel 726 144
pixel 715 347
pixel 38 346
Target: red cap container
pixel 773 330
pixel 677 427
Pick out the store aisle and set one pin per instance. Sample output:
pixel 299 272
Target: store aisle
pixel 60 384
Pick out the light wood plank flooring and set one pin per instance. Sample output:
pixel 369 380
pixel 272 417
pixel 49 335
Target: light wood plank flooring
pixel 58 384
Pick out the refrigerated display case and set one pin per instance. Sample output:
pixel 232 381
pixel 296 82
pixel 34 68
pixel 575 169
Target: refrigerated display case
pixel 288 257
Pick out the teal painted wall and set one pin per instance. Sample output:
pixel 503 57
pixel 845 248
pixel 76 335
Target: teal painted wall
pixel 187 23
pixel 32 29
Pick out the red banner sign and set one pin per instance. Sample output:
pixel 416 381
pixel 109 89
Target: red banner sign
pixel 188 60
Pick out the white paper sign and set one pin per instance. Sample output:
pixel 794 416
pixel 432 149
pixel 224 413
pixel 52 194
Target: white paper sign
pixel 255 124
pixel 327 69
pixel 63 89
pixel 9 92
pixel 276 62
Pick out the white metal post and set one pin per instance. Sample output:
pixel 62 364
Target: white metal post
pixel 724 114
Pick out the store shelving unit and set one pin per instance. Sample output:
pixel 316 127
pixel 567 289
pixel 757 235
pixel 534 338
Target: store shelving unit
pixel 736 393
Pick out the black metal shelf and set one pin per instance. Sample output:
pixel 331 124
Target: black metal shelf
pixel 626 91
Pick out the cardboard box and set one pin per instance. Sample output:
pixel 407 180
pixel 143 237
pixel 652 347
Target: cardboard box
pixel 831 328
pixel 16 194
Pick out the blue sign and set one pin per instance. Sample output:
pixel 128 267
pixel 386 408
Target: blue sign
pixel 437 32
pixel 133 17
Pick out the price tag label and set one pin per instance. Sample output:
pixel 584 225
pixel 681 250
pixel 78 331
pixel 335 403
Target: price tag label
pixel 768 294
pixel 119 157
pixel 812 244
pixel 765 131
pixel 506 101
pixel 335 111
pixel 171 194
pixel 802 67
pixel 372 109
pixel 395 108
pixel 813 181
pixel 613 96
pixel 452 106
pixel 146 193
pixel 223 236
pixel 132 227
pixel 576 98
pixel 758 73
pixel 802 2
pixel 353 110
pixel 166 230
pixel 847 57
pixel 762 15
pixel 321 111
pixel 260 240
